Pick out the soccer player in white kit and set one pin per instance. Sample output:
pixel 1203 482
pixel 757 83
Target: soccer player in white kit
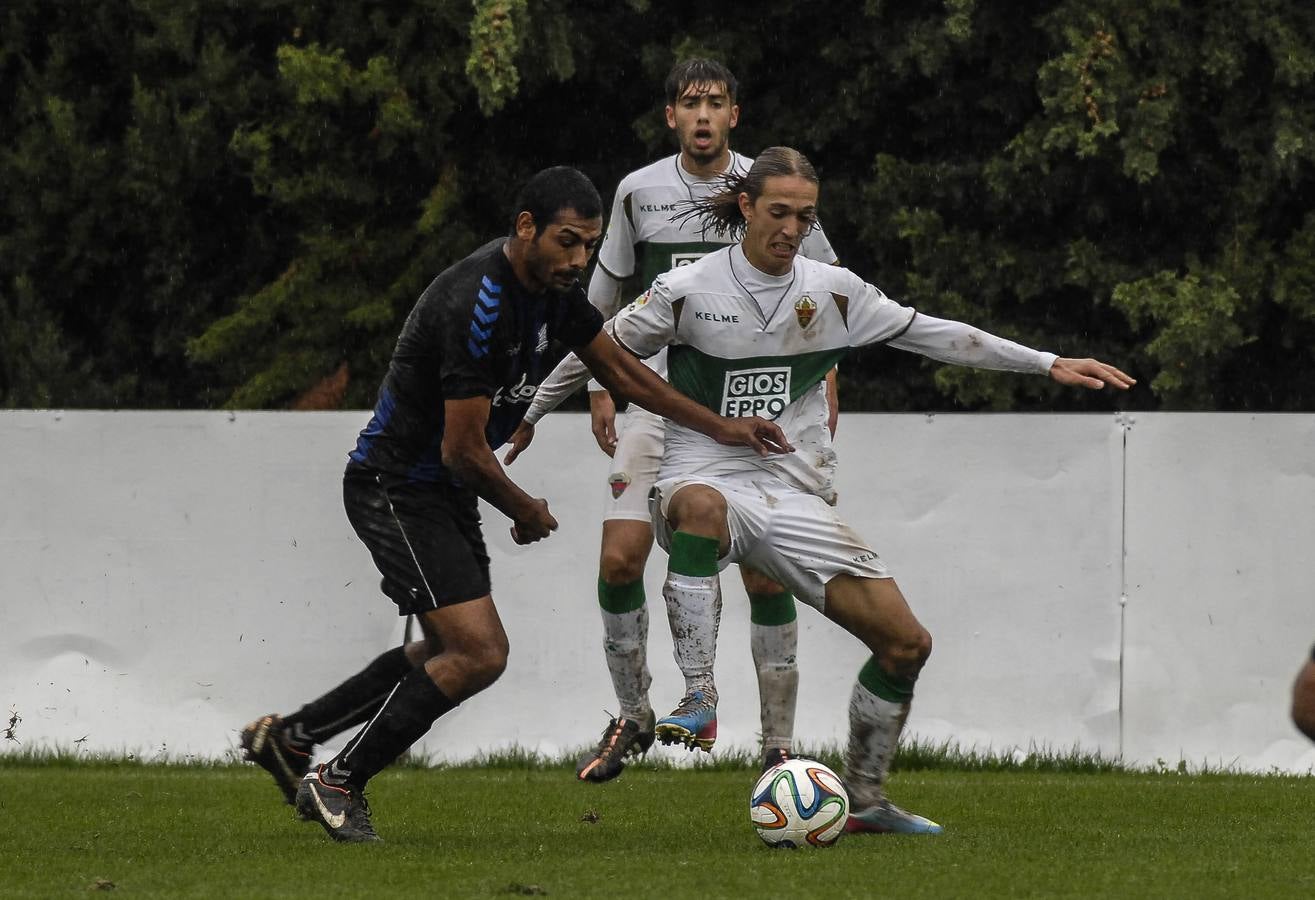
pixel 645 237
pixel 751 330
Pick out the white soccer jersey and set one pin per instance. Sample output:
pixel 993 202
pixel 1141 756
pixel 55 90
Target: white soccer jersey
pixel 738 359
pixel 647 235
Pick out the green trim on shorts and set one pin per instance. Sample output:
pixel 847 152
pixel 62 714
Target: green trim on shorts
pixel 887 687
pixel 772 609
pixel 693 555
pixel 620 598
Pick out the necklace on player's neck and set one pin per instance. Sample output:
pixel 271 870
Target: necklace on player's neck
pixel 760 285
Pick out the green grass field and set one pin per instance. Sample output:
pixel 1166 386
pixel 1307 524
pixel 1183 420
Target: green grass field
pixel 67 829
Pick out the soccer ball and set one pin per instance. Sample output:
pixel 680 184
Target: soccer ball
pixel 799 803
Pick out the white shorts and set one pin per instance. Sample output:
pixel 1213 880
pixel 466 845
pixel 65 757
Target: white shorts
pixel 786 533
pixel 634 466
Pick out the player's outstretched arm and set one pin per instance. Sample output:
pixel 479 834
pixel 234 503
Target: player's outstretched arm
pixel 624 375
pixel 1089 373
pixel 966 345
pixel 466 452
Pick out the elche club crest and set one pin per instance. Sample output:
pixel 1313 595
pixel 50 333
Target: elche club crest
pixel 804 310
pixel 619 482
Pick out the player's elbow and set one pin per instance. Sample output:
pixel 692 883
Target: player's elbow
pixel 460 459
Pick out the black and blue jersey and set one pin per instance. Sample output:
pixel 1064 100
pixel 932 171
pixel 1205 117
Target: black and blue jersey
pixel 475 332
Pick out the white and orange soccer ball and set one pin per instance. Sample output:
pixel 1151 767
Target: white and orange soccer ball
pixel 799 803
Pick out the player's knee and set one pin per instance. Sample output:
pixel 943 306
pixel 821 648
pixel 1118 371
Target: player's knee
pixel 618 566
pixel 757 583
pixel 419 652
pixel 489 666
pixel 482 663
pixel 907 655
pixel 699 510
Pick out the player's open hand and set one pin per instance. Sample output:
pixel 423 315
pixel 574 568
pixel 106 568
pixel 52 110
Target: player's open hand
pixel 535 524
pixel 602 419
pixel 520 439
pixel 751 431
pixel 1089 373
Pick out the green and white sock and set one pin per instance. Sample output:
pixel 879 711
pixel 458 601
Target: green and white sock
pixel 774 640
pixel 625 644
pixel 693 595
pixel 878 708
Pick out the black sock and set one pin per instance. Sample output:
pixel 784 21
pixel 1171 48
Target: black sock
pixel 406 715
pixel 354 701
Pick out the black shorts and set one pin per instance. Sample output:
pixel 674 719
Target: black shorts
pixel 425 538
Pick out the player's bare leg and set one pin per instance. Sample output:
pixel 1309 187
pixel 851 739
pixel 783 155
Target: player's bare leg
pixel 697 515
pixel 625 549
pixel 1303 699
pixel 472 654
pixel 774 640
pixel 874 611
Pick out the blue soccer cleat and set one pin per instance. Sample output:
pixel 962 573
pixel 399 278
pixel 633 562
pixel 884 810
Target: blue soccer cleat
pixel 887 818
pixel 692 723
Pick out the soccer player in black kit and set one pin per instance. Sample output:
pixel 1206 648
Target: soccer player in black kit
pixel 464 370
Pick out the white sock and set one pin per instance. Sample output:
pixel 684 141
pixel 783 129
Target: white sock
pixel 694 613
pixel 874 729
pixel 774 648
pixel 625 644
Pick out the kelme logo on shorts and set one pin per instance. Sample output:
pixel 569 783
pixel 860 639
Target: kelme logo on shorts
pixel 756 392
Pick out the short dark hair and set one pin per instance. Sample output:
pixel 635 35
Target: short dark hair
pixel 699 71
pixel 552 190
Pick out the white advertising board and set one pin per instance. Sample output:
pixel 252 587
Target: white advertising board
pixel 166 577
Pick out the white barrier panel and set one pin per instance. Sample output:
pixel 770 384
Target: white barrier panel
pixel 168 576
pixel 1221 612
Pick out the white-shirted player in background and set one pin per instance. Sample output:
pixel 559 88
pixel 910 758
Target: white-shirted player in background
pixel 753 329
pixel 645 238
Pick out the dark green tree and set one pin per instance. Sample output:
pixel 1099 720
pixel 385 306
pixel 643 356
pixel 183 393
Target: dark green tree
pixel 124 224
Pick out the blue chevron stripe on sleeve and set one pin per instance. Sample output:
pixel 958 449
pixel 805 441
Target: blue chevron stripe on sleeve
pixel 485 316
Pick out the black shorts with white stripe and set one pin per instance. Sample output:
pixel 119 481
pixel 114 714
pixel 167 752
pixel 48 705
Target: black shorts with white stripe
pixel 425 538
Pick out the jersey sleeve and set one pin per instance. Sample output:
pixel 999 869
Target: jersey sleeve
pixel 561 383
pixel 464 331
pixel 649 323
pixel 949 341
pixel 816 246
pixel 617 255
pixel 872 316
pixel 605 291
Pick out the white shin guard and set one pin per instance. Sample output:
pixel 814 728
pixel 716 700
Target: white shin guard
pixel 625 644
pixel 774 648
pixel 694 612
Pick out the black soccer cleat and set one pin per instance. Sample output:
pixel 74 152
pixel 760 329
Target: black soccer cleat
pixel 621 738
pixel 341 809
pixel 264 742
pixel 774 757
